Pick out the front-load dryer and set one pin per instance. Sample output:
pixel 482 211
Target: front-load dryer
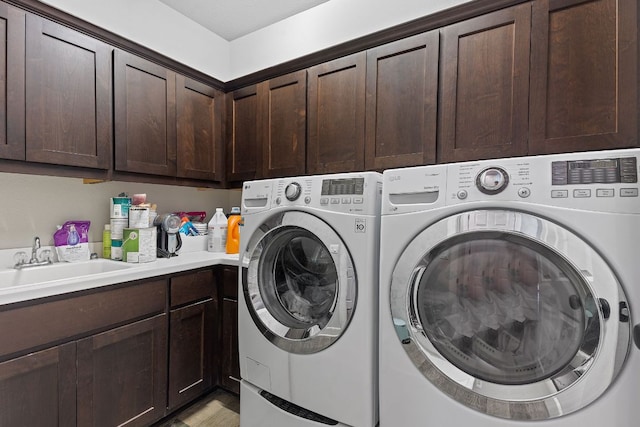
pixel 308 304
pixel 508 290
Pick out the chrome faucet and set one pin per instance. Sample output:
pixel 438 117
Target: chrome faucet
pixel 22 259
pixel 34 250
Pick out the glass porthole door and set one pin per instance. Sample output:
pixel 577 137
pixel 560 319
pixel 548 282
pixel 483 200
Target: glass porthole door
pixel 299 282
pixel 510 314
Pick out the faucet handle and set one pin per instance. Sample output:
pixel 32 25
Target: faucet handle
pixel 45 255
pixel 20 258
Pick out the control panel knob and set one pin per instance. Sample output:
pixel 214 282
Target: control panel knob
pixel 492 180
pixel 292 191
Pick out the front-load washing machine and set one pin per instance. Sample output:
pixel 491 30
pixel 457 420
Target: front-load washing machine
pixel 308 305
pixel 507 292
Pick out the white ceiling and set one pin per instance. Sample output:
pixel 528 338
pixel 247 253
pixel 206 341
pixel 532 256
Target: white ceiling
pixel 231 19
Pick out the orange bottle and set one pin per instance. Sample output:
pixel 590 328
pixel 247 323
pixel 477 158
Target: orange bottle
pixel 233 231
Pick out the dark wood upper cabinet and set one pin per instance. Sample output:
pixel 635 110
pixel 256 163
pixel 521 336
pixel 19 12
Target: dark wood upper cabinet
pixel 584 75
pixel 12 59
pixel 199 113
pixel 402 90
pixel 68 96
pixel 122 375
pixel 483 109
pixel 39 389
pixel 145 116
pixel 335 115
pixel 244 156
pixel 282 124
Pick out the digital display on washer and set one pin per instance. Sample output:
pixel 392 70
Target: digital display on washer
pixel 334 187
pixel 597 171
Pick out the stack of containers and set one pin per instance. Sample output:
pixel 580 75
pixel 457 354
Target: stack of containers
pixel 119 213
pixel 140 237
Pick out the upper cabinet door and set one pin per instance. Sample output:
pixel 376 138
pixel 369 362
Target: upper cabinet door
pixel 484 96
pixel 402 87
pixel 584 75
pixel 282 124
pixel 12 58
pixel 145 116
pixel 335 121
pixel 68 96
pixel 199 109
pixel 244 156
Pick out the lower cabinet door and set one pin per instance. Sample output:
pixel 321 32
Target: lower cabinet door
pixel 191 352
pixel 230 366
pixel 122 375
pixel 39 389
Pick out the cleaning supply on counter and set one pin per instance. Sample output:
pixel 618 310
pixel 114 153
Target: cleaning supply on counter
pixel 119 207
pixel 233 231
pixel 139 244
pixel 153 213
pixel 72 241
pixel 187 228
pixel 119 215
pixel 106 241
pixel 217 232
pixel 116 249
pixel 139 216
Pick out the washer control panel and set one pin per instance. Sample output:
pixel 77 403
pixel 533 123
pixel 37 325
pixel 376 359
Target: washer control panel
pixel 352 193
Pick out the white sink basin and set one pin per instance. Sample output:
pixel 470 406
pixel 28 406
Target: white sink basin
pixel 58 271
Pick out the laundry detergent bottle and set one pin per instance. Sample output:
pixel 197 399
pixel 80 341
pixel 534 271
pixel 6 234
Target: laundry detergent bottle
pixel 233 231
pixel 217 232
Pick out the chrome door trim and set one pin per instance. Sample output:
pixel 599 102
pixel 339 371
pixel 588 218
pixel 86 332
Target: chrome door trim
pixel 566 391
pixel 304 339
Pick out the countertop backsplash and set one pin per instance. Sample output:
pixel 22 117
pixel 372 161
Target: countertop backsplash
pixel 34 205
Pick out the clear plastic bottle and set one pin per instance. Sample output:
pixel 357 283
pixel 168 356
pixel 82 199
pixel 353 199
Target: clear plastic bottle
pixel 217 232
pixel 233 231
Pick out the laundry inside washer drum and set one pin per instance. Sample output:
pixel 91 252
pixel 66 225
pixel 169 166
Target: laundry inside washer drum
pixel 500 310
pixel 306 280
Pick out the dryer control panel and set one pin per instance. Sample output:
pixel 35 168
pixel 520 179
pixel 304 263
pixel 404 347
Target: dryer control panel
pixel 599 181
pixel 588 181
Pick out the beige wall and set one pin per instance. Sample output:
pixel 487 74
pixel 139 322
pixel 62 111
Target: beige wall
pixel 33 205
pixel 155 25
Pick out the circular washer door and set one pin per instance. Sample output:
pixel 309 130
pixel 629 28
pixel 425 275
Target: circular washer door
pixel 299 282
pixel 510 314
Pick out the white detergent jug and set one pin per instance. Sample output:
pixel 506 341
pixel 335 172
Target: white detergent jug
pixel 217 232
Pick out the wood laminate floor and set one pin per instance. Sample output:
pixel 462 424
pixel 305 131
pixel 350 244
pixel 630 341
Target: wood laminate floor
pixel 218 409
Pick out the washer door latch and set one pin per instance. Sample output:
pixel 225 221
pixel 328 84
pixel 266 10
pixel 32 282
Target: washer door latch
pixel 636 335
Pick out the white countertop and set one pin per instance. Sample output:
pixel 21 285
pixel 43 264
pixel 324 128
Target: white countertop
pixel 185 261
